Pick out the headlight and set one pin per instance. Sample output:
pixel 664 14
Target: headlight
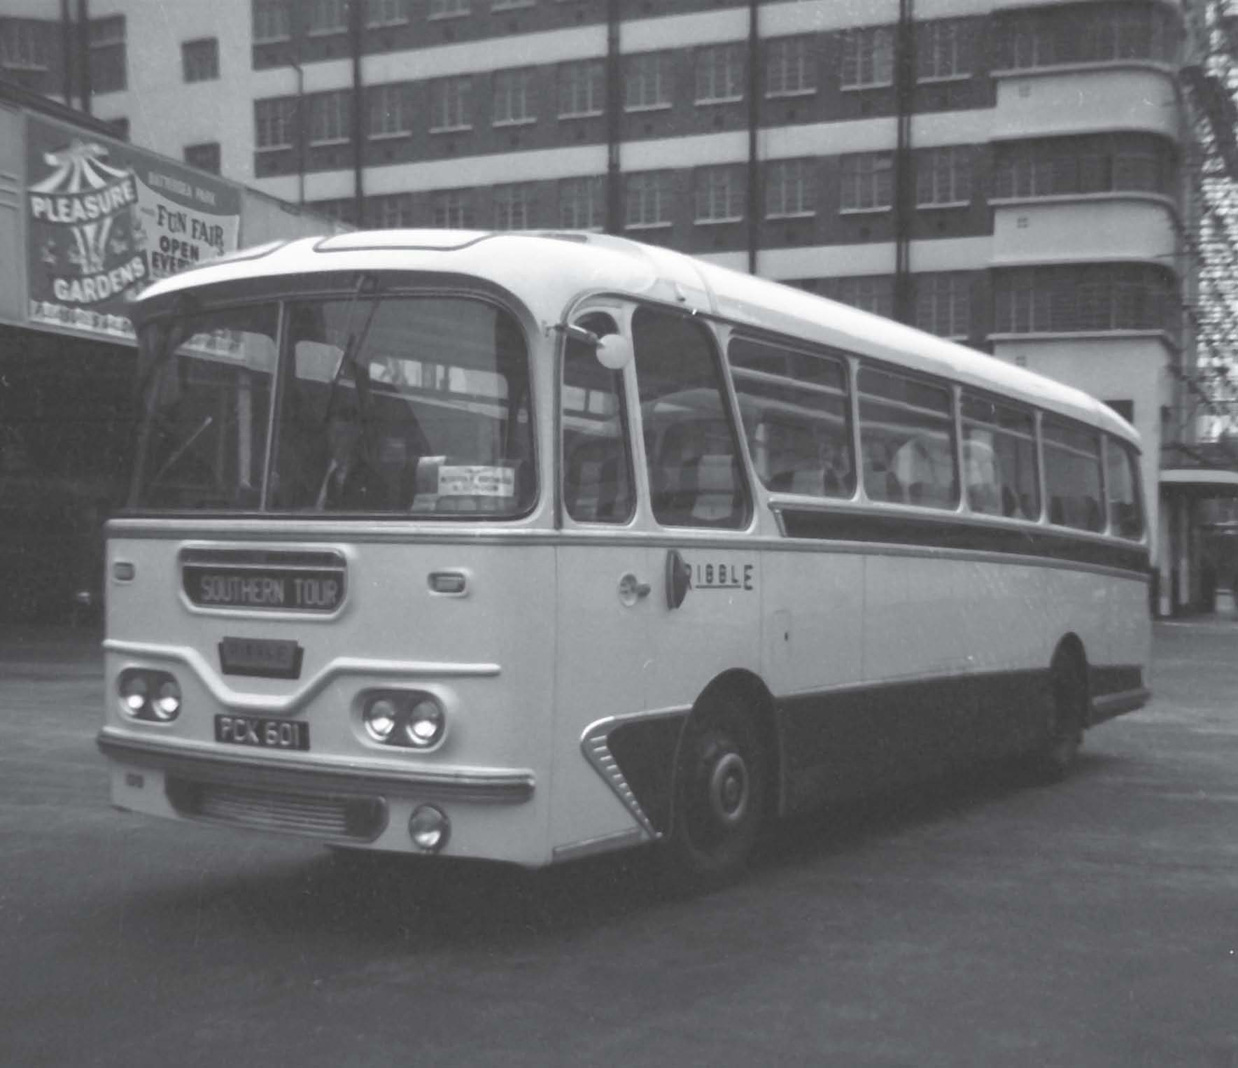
pixel 380 718
pixel 134 690
pixel 150 695
pixel 425 722
pixel 167 703
pixel 408 719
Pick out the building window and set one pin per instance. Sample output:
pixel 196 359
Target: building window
pixel 719 194
pixel 943 49
pixel 1094 164
pixel 22 45
pixel 943 303
pixel 1094 33
pixel 514 92
pixel 872 293
pixel 790 69
pixel 453 209
pixel 326 16
pixel 582 203
pixel 719 73
pixel 107 54
pixel 1124 408
pixel 200 59
pixel 943 176
pixel 381 13
pixel 790 188
pixel 389 211
pixel 340 209
pixel 648 200
pixel 647 84
pixel 1085 299
pixel 204 156
pixel 329 117
pixel 449 104
pixel 513 207
pixel 274 122
pixel 390 111
pixel 867 181
pixel 444 9
pixel 868 57
pixel 582 88
pixel 272 21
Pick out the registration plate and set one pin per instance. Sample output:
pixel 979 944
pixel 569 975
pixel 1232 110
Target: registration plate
pixel 261 732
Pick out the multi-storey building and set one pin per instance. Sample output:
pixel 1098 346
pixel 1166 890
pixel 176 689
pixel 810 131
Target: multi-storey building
pixel 1003 172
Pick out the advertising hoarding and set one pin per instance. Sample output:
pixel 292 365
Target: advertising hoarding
pixel 104 219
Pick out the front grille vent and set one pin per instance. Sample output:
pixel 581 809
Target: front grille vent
pixel 317 815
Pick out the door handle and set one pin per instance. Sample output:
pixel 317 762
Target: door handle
pixel 678 579
pixel 631 589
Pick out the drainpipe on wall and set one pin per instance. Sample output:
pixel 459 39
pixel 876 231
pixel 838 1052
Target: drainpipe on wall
pixel 755 87
pixel 83 51
pixel 904 185
pixel 356 12
pixel 66 50
pixel 614 114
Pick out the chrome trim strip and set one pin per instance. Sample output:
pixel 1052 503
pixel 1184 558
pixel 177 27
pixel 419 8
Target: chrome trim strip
pixel 594 743
pixel 605 843
pixel 284 704
pixel 194 761
pixel 1114 704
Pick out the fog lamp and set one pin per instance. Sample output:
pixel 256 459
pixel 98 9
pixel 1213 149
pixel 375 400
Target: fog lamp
pixel 429 828
pixel 424 724
pixel 380 716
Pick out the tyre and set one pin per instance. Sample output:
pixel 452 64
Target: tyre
pixel 721 796
pixel 1067 715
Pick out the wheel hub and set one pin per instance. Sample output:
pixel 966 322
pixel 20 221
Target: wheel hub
pixel 728 789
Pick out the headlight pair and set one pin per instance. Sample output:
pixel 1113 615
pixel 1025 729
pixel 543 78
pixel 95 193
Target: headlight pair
pixel 410 719
pixel 149 695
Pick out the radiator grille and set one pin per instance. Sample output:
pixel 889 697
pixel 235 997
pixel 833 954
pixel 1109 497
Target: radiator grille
pixel 318 815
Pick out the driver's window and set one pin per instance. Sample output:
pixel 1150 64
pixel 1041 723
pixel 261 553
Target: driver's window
pixel 597 458
pixel 693 454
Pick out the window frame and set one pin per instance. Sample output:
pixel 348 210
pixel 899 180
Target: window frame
pixel 582 78
pixel 642 69
pixel 867 58
pixel 515 88
pixel 787 55
pixel 723 62
pixel 657 185
pixel 865 175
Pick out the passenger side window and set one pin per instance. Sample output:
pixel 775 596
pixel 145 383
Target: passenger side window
pixel 1122 482
pixel 907 440
pixel 690 445
pixel 999 459
pixel 796 417
pixel 1072 475
pixel 597 461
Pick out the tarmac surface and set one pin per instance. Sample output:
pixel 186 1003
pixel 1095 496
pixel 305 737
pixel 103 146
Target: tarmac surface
pixel 982 922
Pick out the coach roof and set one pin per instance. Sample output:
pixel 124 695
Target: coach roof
pixel 549 271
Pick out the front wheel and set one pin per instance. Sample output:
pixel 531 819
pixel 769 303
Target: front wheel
pixel 721 789
pixel 1068 700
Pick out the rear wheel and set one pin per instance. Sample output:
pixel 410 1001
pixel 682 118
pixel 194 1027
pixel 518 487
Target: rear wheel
pixel 721 788
pixel 1068 699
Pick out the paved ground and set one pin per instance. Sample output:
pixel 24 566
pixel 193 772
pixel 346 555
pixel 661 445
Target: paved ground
pixel 1090 924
